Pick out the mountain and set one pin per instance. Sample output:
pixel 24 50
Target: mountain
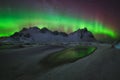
pixel 44 35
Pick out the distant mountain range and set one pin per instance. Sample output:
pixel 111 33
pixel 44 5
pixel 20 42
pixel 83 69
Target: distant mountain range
pixel 44 35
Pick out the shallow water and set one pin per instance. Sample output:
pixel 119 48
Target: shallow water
pixel 68 55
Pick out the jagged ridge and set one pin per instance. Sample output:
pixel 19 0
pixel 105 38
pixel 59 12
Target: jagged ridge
pixel 34 34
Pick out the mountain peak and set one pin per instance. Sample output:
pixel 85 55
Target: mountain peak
pixel 34 34
pixel 84 30
pixel 24 29
pixel 80 30
pixel 43 30
pixel 29 29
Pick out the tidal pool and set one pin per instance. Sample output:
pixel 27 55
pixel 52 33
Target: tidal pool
pixel 67 56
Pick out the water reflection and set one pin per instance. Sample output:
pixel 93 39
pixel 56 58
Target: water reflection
pixel 67 56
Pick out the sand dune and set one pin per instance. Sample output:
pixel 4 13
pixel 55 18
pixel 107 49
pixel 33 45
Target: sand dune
pixel 102 65
pixel 23 64
pixel 19 62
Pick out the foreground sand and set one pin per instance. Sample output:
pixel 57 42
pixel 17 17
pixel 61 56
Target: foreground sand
pixel 23 64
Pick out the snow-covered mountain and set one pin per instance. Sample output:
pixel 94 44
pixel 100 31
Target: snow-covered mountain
pixel 44 35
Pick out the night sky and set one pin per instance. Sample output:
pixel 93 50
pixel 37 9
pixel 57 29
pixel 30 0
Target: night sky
pixel 99 16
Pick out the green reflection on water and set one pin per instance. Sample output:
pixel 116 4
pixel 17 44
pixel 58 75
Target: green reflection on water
pixel 68 55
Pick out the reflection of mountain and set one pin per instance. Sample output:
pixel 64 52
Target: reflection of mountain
pixel 35 34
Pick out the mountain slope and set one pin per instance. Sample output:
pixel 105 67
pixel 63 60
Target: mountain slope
pixel 44 35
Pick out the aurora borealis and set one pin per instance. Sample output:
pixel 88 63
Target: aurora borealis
pixel 53 15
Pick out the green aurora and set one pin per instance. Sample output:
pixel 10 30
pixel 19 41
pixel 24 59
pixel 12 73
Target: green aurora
pixel 11 22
